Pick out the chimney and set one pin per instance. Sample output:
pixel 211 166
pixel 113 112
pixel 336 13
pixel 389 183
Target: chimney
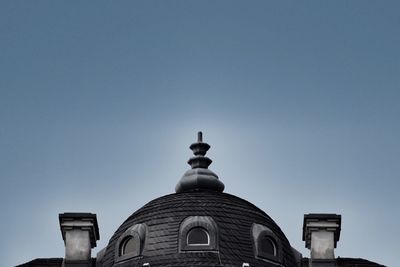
pixel 321 233
pixel 80 233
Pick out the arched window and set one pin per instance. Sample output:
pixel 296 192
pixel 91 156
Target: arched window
pixel 131 243
pixel 127 246
pixel 198 233
pixel 198 236
pixel 266 243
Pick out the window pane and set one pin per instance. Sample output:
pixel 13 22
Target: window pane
pixel 267 245
pixel 128 246
pixel 198 236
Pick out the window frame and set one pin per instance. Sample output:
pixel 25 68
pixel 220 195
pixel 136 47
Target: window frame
pixel 198 244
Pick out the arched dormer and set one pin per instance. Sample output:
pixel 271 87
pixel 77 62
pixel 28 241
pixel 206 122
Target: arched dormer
pixel 266 244
pixel 131 243
pixel 198 233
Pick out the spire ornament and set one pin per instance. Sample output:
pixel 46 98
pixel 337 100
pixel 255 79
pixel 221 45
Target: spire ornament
pixel 199 177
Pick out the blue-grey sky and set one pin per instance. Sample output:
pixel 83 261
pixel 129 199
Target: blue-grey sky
pixel 99 101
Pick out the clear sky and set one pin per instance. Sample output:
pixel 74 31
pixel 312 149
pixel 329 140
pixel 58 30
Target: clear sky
pixel 99 101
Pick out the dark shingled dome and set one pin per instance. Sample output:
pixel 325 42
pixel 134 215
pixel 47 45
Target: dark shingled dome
pixel 233 216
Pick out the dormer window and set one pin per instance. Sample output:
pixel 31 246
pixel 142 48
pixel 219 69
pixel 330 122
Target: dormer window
pixel 198 233
pixel 198 236
pixel 131 243
pixel 266 243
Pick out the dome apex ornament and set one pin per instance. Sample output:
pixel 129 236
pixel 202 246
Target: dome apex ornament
pixel 199 177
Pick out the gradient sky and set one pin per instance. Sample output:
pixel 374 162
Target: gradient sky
pixel 300 101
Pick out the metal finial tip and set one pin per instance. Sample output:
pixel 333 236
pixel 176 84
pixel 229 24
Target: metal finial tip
pixel 199 137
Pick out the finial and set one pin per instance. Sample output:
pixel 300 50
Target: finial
pixel 199 137
pixel 199 177
pixel 199 150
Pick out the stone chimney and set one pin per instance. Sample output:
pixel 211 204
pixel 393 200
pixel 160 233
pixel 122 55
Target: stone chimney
pixel 80 233
pixel 321 233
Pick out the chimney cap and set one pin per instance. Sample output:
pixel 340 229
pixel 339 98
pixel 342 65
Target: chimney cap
pixel 321 221
pixel 81 217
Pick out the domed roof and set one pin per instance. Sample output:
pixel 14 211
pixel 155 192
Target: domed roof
pixel 233 226
pixel 233 216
